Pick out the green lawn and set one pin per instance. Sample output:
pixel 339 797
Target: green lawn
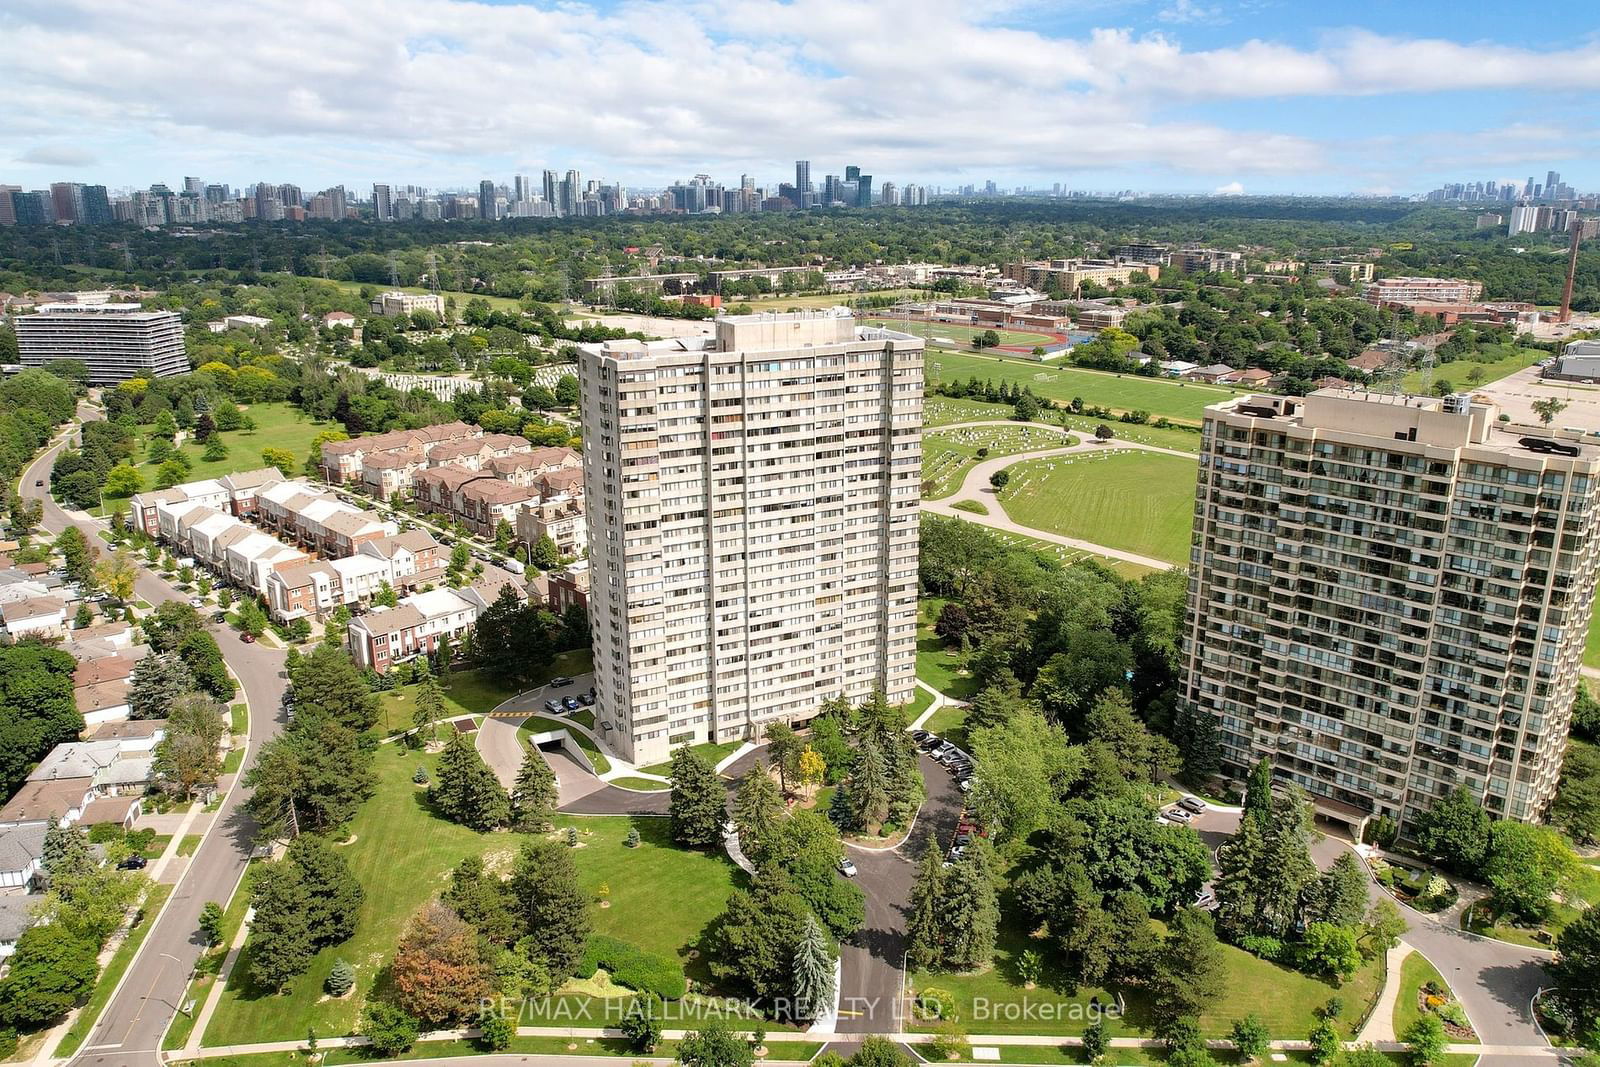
pixel 936 665
pixel 402 855
pixel 1182 438
pixel 278 425
pixel 1051 381
pixel 950 723
pixel 919 703
pixel 824 300
pixel 1136 501
pixel 1415 972
pixel 947 455
pixel 1067 556
pixel 714 752
pixel 154 899
pixel 1496 362
pixel 1591 647
pixel 209 966
pixel 962 335
pixel 946 410
pixel 471 692
pixel 648 785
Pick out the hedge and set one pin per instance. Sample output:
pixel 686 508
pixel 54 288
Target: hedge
pixel 632 966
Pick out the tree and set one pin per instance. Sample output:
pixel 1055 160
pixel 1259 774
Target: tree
pixel 311 777
pixel 1425 1041
pixel 1547 408
pixel 440 974
pixel 281 458
pixel 642 1024
pixel 386 597
pixel 1342 893
pixel 211 923
pixel 1000 479
pixel 757 807
pixel 116 574
pixel 328 684
pixel 1525 866
pixel 1190 973
pixel 172 471
pixel 783 749
pixel 37 709
pixel 1324 1041
pixel 1103 432
pixel 65 853
pixel 1577 804
pixel 495 1031
pixel 813 768
pixel 869 788
pixel 77 558
pixel 51 970
pixel 389 1028
pixel 155 685
pixel 1330 951
pixel 513 639
pixel 925 924
pixel 545 554
pixel 428 711
pixel 467 791
pixel 443 656
pixel 1027 765
pixel 699 799
pixel 335 895
pixel 1383 928
pixel 876 1051
pixel 714 1045
pixel 535 794
pixel 813 971
pixel 971 906
pixel 123 480
pixel 188 756
pixel 1576 971
pixel 1095 1041
pixel 1455 830
pixel 250 618
pixel 1258 794
pixel 281 945
pixel 215 451
pixel 201 655
pixel 1250 1038
pixel 550 905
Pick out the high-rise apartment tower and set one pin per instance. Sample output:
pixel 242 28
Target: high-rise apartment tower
pixel 1389 597
pixel 752 506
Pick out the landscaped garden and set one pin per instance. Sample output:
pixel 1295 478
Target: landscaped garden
pixel 1137 501
pixel 402 853
pixel 1423 990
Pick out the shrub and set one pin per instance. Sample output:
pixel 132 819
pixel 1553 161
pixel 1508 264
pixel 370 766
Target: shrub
pixel 8 1043
pixel 1453 1014
pixel 421 776
pixel 1437 895
pixel 629 965
pixel 633 837
pixel 950 1042
pixel 341 979
pixel 1268 948
pixel 934 1002
pixel 494 1030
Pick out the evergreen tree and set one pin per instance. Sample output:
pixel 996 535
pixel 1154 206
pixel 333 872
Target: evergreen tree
pixel 65 853
pixel 1197 737
pixel 442 658
pixel 429 710
pixel 341 979
pixel 699 799
pixel 281 945
pixel 1190 973
pixel 156 682
pixel 333 892
pixel 925 928
pixel 326 682
pixel 467 791
pixel 552 908
pixel 813 971
pixel 1258 794
pixel 1341 897
pixel 535 795
pixel 869 788
pixel 757 807
pixel 972 909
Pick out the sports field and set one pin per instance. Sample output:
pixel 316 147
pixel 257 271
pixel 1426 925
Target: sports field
pixel 947 455
pixel 963 335
pixel 1136 501
pixel 1119 392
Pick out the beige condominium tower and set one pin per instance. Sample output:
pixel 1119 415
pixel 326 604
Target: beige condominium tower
pixel 1388 597
pixel 753 500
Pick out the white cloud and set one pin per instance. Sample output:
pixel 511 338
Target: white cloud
pixel 1189 11
pixel 57 155
pixel 1231 189
pixel 422 89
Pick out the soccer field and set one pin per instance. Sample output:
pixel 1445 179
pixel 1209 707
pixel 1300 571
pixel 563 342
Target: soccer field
pixel 1136 501
pixel 1120 392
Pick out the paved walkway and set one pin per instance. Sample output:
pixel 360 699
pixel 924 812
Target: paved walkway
pixel 1380 1024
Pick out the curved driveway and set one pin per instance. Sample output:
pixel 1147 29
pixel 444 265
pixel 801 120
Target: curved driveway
pixel 1496 981
pixel 129 1029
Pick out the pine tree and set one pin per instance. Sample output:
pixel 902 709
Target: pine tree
pixel 341 979
pixel 869 788
pixel 429 710
pixel 926 926
pixel 467 791
pixel 699 799
pixel 972 911
pixel 280 936
pixel 553 908
pixel 441 661
pixel 756 809
pixel 813 971
pixel 534 797
pixel 1258 794
pixel 65 853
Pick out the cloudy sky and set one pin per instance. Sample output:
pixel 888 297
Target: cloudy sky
pixel 1174 95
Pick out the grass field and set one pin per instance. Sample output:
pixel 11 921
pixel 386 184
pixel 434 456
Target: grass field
pixel 1591 647
pixel 402 855
pixel 500 303
pixel 963 335
pixel 937 666
pixel 822 300
pixel 1136 501
pixel 714 752
pixel 946 410
pixel 469 693
pixel 1119 392
pixel 1067 556
pixel 947 455
pixel 950 723
pixel 1507 359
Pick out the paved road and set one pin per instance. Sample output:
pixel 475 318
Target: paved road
pixel 129 1030
pixel 1495 981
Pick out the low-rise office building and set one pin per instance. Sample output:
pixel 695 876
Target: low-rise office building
pixel 115 341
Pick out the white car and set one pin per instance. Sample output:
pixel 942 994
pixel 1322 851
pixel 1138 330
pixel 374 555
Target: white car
pixel 196 602
pixel 1178 814
pixel 847 868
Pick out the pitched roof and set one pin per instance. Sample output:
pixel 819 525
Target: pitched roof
pixel 129 730
pixel 252 479
pixel 20 845
pixel 38 607
pixel 16 914
pixel 49 799
pixel 105 669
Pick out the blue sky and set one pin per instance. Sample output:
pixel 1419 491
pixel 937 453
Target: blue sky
pixel 1170 95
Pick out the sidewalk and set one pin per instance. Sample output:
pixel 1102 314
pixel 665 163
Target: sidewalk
pixel 1380 1024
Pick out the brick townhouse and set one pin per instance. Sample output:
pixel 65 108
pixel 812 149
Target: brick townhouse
pixel 342 461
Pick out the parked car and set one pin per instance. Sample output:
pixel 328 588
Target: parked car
pixel 955 853
pixel 133 863
pixel 847 868
pixel 39 482
pixel 1205 899
pixel 196 602
pixel 571 704
pixel 1194 804
pixel 919 736
pixel 586 699
pixel 219 616
pixel 553 706
pixel 1178 814
pixel 559 681
pixel 248 639
pixel 930 742
pixel 965 785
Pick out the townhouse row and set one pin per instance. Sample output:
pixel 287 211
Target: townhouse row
pixel 417 625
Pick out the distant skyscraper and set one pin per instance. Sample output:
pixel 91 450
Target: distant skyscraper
pixel 521 189
pixel 863 190
pixel 550 188
pixel 571 193
pixel 486 199
pixel 802 176
pixel 382 205
pixel 197 186
pixel 96 206
pixel 852 174
pixel 8 211
pixel 67 200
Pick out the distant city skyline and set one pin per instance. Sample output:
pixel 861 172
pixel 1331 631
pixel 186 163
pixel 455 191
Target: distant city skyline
pixel 1177 96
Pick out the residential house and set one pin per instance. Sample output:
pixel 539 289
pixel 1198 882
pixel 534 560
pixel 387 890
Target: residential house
pixel 21 860
pixel 142 506
pixel 483 504
pixel 242 487
pixel 435 489
pixel 476 453
pixel 389 474
pixel 342 461
pixel 39 616
pixel 386 636
pixel 559 517
pixel 526 468
pixel 1210 375
pixel 1255 377
pixel 415 558
pixel 51 800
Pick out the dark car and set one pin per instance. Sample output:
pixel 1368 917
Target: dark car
pixel 133 863
pixel 559 681
pixel 219 616
pixel 571 703
pixel 586 699
pixel 930 742
pixel 39 482
pixel 919 736
pixel 248 639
